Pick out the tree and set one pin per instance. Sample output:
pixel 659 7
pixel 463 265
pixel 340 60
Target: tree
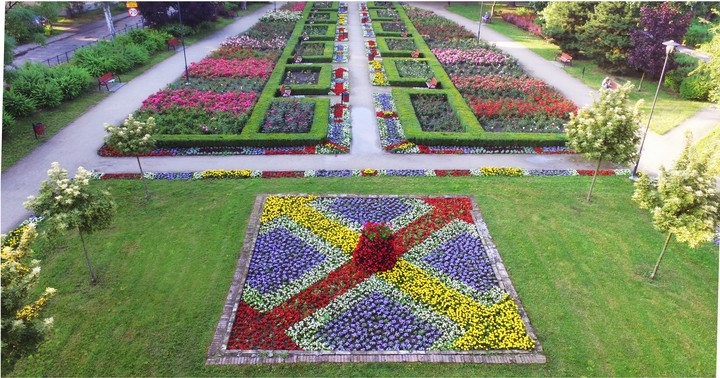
pixel 562 22
pixel 683 201
pixel 133 138
pixel 711 68
pixel 22 328
pixel 607 129
pixel 9 54
pixel 72 203
pixel 193 12
pixel 606 36
pixel 658 24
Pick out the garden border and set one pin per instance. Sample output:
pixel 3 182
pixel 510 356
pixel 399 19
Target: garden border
pixel 218 354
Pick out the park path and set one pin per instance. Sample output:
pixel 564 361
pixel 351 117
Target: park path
pixel 77 144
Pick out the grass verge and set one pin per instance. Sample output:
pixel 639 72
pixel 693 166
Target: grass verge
pixel 580 270
pixel 670 109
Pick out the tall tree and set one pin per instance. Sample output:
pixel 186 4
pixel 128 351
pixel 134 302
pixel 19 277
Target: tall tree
pixel 133 138
pixel 22 328
pixel 73 204
pixel 711 68
pixel 606 36
pixel 608 129
pixel 657 24
pixel 164 12
pixel 562 22
pixel 683 201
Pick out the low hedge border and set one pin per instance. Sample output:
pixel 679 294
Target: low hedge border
pixel 321 88
pixel 386 52
pixel 332 20
pixel 328 36
pixel 379 4
pixel 395 79
pixel 326 57
pixel 379 32
pixel 477 135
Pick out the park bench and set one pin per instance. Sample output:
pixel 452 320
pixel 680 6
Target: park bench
pixel 432 83
pixel 565 59
pixel 173 44
pixel 285 91
pixel 106 80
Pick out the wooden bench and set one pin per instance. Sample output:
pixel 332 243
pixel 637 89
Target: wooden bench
pixel 173 44
pixel 432 83
pixel 106 80
pixel 565 59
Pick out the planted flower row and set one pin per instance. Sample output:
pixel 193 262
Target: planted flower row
pixel 249 173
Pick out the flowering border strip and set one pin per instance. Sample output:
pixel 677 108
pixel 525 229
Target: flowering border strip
pixel 248 173
pixel 219 354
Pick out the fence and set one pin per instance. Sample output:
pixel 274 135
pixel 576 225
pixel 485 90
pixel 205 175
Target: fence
pixel 57 59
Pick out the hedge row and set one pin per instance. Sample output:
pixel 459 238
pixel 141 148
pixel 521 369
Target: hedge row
pixel 333 17
pixel 385 51
pixel 475 135
pixel 326 57
pixel 321 88
pixel 395 79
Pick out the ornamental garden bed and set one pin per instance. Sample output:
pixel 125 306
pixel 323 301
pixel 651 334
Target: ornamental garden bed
pixel 288 116
pixel 396 47
pixel 320 32
pixel 306 288
pixel 435 113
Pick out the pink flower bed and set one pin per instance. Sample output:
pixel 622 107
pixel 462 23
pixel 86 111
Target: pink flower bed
pixel 524 22
pixel 211 68
pixel 298 7
pixel 235 103
pixel 475 56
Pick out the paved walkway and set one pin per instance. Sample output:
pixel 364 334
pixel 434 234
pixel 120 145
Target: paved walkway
pixel 73 38
pixel 76 144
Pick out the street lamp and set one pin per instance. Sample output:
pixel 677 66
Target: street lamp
pixel 480 22
pixel 669 48
pixel 182 40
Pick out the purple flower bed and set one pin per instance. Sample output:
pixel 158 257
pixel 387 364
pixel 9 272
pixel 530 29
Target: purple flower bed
pixel 365 326
pixel 279 258
pixel 376 210
pixel 464 259
pixel 333 173
pixel 405 172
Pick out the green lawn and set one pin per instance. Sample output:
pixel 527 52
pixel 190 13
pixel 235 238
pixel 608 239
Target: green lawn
pixel 670 109
pixel 19 140
pixel 580 270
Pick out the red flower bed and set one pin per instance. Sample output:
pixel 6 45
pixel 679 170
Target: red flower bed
pixel 454 173
pixel 591 172
pixel 445 210
pixel 426 150
pixel 280 174
pixel 375 251
pixel 123 176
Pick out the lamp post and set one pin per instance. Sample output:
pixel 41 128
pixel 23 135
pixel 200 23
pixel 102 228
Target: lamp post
pixel 480 22
pixel 669 48
pixel 182 40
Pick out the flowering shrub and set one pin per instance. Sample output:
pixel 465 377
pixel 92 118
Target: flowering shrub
pixel 211 68
pixel 304 289
pixel 525 22
pixel 288 116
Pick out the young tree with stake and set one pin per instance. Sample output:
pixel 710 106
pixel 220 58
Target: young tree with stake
pixel 607 129
pixel 133 138
pixel 72 203
pixel 683 201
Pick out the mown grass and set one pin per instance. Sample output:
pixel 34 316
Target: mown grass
pixel 670 109
pixel 19 140
pixel 580 270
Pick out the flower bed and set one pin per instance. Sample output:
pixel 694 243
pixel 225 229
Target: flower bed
pixel 435 114
pixel 413 68
pixel 400 44
pixel 304 291
pixel 212 68
pixel 288 116
pixel 301 77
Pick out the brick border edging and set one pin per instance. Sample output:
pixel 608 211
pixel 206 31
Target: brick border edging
pixel 219 355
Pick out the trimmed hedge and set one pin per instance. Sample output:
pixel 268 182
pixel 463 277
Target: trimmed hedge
pixel 475 135
pixel 385 51
pixel 379 4
pixel 321 88
pixel 379 32
pixel 332 20
pixel 326 57
pixel 394 76
pixel 373 13
pixel 328 36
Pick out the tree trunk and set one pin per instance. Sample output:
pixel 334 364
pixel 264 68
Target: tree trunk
pixel 243 5
pixel 492 9
pixel 667 241
pixel 594 178
pixel 109 19
pixel 142 178
pixel 641 81
pixel 93 278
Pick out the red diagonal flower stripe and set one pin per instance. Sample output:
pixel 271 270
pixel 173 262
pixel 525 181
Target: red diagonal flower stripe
pixel 445 210
pixel 255 330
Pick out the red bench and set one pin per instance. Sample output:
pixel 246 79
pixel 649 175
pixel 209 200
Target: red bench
pixel 432 83
pixel 106 80
pixel 565 59
pixel 173 43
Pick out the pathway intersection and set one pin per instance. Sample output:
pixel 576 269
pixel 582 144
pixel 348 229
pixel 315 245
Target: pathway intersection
pixel 77 144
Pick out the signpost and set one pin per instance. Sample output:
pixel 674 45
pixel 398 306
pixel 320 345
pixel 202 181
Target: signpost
pixel 133 12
